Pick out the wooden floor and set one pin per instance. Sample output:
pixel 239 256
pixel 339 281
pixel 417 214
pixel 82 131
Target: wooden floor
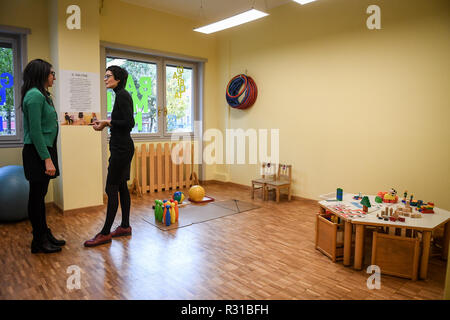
pixel 266 253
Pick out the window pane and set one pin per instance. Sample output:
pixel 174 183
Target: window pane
pixel 179 99
pixel 142 87
pixel 7 109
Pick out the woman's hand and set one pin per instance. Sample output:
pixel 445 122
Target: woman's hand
pixel 99 125
pixel 49 167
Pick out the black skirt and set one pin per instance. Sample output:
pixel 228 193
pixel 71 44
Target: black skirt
pixel 34 167
pixel 119 165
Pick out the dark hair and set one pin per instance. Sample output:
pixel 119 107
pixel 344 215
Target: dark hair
pixel 35 75
pixel 119 74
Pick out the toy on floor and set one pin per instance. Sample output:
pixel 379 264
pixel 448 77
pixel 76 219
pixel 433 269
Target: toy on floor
pixel 14 189
pixel 196 193
pixel 178 196
pixel 158 210
pixel 166 211
pixel 388 197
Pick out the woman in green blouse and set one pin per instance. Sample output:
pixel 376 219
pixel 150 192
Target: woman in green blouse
pixel 39 155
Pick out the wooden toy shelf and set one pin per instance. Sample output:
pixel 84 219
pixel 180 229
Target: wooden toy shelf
pixel 329 237
pixel 396 255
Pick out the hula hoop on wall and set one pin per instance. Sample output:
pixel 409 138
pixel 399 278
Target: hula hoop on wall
pixel 241 92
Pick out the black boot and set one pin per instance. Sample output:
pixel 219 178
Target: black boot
pixel 53 240
pixel 43 246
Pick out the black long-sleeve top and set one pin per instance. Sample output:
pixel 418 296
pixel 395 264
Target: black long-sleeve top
pixel 122 121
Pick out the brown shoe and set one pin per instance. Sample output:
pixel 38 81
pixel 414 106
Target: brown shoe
pixel 98 240
pixel 119 232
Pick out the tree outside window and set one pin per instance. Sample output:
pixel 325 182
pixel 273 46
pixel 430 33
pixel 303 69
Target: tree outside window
pixel 7 108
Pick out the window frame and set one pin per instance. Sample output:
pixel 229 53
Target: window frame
pixel 193 66
pixel 161 60
pixel 17 38
pixel 146 59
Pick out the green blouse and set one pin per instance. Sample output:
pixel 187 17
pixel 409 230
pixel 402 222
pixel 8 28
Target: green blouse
pixel 40 122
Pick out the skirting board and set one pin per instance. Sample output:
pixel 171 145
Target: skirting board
pixel 54 206
pixel 206 182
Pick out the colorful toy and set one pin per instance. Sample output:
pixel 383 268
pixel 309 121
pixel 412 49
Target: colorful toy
pixel 339 194
pixel 166 212
pixel 176 210
pixel 172 212
pixel 426 208
pixel 166 215
pixel 358 197
pixel 388 197
pixel 378 199
pixel 159 210
pixel 178 196
pixel 347 211
pixel 366 203
pixel 196 193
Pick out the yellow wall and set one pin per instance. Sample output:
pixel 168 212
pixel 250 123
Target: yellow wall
pixel 13 13
pixel 360 109
pixel 80 148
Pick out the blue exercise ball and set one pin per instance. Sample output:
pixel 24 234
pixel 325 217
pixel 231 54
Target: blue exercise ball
pixel 14 189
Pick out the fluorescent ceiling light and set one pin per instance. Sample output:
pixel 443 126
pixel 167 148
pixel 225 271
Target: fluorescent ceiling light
pixel 233 21
pixel 304 1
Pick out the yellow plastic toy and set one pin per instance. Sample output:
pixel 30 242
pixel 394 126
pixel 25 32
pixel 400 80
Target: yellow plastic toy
pixel 173 215
pixel 196 193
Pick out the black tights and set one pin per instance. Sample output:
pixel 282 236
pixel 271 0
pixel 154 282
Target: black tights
pixel 36 208
pixel 112 190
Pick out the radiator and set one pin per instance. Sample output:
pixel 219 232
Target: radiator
pixel 156 170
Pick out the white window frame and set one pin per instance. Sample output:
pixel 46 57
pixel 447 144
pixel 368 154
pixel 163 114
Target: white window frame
pixel 17 38
pixel 192 66
pixel 161 59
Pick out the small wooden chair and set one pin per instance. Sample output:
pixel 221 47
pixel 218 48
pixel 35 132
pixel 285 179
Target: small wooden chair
pixel 282 181
pixel 267 175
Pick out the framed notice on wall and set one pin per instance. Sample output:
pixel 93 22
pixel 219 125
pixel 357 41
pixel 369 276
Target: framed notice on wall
pixel 80 97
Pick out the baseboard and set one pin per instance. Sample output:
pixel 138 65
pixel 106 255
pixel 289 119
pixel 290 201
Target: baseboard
pixel 54 206
pixel 243 186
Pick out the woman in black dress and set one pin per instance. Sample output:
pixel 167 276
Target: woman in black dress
pixel 121 147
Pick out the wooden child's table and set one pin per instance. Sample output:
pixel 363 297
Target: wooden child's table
pixel 349 211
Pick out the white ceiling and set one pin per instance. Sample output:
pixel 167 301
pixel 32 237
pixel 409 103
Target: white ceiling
pixel 212 10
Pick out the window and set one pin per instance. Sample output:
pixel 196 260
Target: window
pixel 142 86
pixel 163 92
pixel 11 130
pixel 179 100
